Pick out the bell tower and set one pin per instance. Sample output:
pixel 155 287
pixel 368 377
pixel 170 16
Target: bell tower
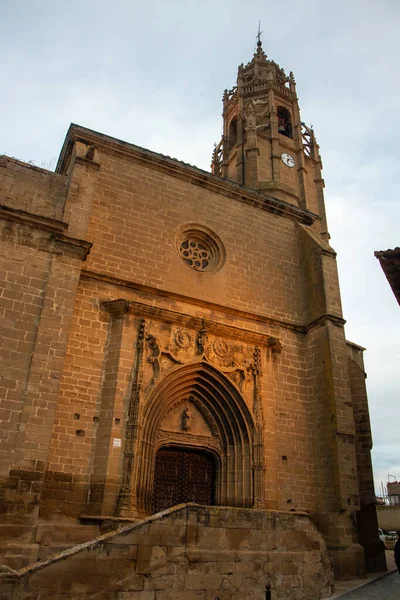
pixel 265 145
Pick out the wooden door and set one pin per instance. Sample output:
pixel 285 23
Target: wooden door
pixel 183 476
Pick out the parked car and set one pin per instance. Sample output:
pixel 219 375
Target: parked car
pixel 388 538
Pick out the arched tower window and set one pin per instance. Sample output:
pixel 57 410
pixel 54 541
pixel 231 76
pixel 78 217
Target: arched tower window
pixel 284 122
pixel 232 133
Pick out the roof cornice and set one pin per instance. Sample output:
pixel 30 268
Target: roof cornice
pixel 181 170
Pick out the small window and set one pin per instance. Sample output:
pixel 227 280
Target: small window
pixel 232 134
pixel 284 122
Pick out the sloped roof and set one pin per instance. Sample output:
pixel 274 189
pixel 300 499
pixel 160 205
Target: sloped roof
pixel 390 263
pixel 182 170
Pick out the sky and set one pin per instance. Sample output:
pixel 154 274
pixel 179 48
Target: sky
pixel 153 74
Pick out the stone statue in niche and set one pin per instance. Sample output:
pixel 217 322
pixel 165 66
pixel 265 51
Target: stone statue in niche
pixel 250 115
pixel 262 114
pixel 187 418
pixel 154 358
pixel 202 342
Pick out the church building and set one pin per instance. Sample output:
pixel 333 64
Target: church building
pixel 173 337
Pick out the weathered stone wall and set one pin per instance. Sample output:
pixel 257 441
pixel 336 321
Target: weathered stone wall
pixel 40 267
pixel 137 213
pixel 187 553
pixel 388 517
pixel 35 191
pixel 273 313
pixel 95 393
pixel 29 197
pixel 367 520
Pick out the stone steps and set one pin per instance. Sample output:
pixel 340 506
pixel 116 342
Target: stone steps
pixel 46 552
pixel 186 552
pixel 19 555
pixel 67 535
pixel 21 546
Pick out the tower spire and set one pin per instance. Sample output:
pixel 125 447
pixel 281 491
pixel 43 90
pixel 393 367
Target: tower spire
pixel 264 144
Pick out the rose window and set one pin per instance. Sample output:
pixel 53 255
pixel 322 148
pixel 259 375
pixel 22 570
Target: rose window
pixel 200 249
pixel 195 254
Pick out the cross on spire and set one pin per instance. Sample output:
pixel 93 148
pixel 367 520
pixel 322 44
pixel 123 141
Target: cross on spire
pixel 258 36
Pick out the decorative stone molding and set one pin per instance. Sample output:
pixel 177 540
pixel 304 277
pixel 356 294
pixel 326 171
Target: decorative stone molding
pixel 197 323
pixel 258 455
pixel 183 171
pixel 41 233
pixel 225 310
pixel 323 319
pixel 116 308
pixel 274 345
pixel 127 492
pixel 171 438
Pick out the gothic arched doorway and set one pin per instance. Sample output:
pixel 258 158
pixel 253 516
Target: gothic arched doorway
pixel 220 424
pixel 183 475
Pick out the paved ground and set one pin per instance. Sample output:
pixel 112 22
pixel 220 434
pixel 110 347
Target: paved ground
pixel 385 588
pixel 346 589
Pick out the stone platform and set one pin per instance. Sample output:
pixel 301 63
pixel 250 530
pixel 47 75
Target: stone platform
pixel 188 552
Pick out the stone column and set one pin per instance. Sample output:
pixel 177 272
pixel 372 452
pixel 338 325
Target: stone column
pixel 105 481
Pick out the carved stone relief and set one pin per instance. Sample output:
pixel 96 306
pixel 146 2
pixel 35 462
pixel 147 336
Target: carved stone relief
pixel 195 405
pixel 183 339
pixel 274 346
pixel 181 346
pixel 251 118
pixel 239 376
pixel 256 112
pixel 185 418
pixel 203 342
pixel 168 345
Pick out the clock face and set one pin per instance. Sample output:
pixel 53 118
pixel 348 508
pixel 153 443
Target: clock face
pixel 288 159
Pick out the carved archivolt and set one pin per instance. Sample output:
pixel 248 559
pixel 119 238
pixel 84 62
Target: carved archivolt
pixel 227 428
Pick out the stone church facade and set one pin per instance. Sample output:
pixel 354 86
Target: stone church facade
pixel 173 336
